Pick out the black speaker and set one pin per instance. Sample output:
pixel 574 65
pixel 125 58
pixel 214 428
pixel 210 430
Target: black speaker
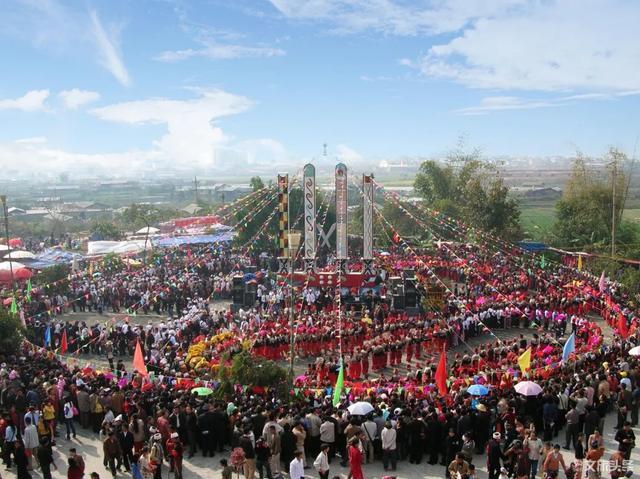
pixel 411 299
pixel 410 284
pixel 250 294
pixel 397 302
pixel 249 299
pixel 237 290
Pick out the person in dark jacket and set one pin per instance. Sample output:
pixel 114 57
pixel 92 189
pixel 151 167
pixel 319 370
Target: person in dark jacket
pixel 22 462
pixel 125 438
pixel 219 421
pixel 481 428
pixel 45 458
pixel 193 432
pixel 263 456
pixel 246 443
pixel 451 448
pixel 178 421
pixel 112 452
pixel 207 431
pixel 434 437
pixel 417 432
pixel 287 445
pixel 494 456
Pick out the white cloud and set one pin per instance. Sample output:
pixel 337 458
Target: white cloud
pixel 36 155
pixel 391 16
pixel 499 103
pixel 220 52
pixel 66 30
pixel 75 98
pixel 191 136
pixel 547 46
pixel 348 155
pixel 33 100
pixel 108 45
pixel 192 142
pixel 533 45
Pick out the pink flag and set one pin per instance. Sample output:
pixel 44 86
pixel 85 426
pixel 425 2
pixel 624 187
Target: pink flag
pixel 601 283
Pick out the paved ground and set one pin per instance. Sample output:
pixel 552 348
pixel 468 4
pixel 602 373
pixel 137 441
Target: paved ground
pixel 198 467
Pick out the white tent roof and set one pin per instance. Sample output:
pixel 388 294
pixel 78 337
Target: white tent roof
pixel 143 231
pixel 19 255
pixel 7 265
pixel 98 248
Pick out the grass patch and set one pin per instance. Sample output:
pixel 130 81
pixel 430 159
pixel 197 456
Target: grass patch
pixel 537 220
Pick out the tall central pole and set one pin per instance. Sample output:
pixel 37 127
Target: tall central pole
pixel 614 174
pixel 342 249
pixel 285 258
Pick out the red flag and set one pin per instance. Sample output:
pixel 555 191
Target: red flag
pixel 622 326
pixel 138 360
pixel 63 342
pixel 441 374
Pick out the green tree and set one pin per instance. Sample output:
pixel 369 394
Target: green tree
pixel 106 230
pixel 247 370
pixel 256 183
pixel 471 189
pixel 11 332
pixel 53 279
pixel 585 211
pixel 137 215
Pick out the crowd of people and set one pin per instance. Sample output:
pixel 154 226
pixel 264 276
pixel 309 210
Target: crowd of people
pixel 148 425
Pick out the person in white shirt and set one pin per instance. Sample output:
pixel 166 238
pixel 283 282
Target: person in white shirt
pixel 370 429
pixel 328 435
pixel 31 441
pixel 388 436
pixel 322 462
pixel 296 466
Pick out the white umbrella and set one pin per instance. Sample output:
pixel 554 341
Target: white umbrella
pixel 528 388
pixel 3 247
pixel 635 351
pixel 360 408
pixel 20 255
pixel 147 230
pixel 7 265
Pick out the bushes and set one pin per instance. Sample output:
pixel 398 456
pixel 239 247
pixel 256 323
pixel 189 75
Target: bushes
pixel 11 333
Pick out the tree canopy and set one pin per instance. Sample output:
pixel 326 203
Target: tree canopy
pixel 585 211
pixel 11 332
pixel 471 189
pixel 256 183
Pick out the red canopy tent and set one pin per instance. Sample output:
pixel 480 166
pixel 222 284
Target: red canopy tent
pixel 21 274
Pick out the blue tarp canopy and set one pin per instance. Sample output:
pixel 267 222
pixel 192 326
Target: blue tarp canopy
pixel 221 237
pixel 532 246
pixel 52 257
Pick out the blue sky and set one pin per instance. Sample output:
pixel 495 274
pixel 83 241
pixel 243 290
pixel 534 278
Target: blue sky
pixel 243 85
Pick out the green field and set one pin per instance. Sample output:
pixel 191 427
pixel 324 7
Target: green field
pixel 538 219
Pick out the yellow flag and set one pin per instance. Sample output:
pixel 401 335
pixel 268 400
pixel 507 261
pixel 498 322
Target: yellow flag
pixel 524 361
pixel 579 262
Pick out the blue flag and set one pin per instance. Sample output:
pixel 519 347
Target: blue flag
pixel 569 347
pixel 47 336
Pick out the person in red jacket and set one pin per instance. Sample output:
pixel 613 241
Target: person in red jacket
pixel 175 452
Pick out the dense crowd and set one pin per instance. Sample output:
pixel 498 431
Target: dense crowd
pixel 389 358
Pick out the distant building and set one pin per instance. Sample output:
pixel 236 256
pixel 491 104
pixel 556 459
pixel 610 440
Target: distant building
pixel 13 211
